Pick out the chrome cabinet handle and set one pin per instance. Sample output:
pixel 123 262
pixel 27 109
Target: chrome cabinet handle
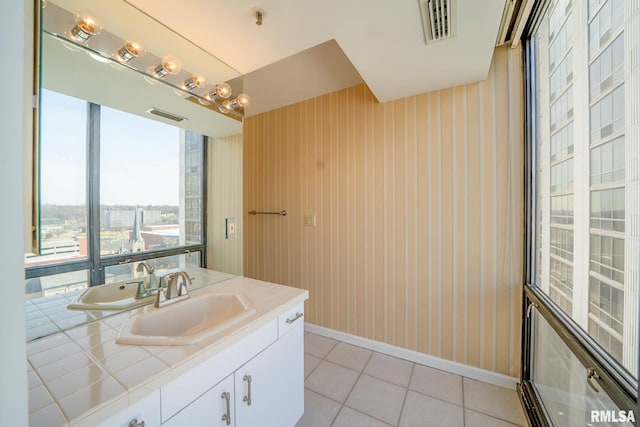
pixel 227 417
pixel 298 315
pixel 134 423
pixel 247 398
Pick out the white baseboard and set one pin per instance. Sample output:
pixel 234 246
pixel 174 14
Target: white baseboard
pixel 416 357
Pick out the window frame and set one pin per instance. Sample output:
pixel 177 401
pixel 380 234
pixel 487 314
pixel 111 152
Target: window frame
pixel 95 263
pixel 616 382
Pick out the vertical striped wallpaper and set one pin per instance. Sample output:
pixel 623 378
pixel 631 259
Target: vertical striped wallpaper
pixel 419 214
pixel 224 200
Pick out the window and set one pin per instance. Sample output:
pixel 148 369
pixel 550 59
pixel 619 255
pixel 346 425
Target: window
pixel 146 194
pixel 607 22
pixel 607 115
pixel 607 162
pixel 63 189
pixel 587 208
pixel 607 70
pixel 580 346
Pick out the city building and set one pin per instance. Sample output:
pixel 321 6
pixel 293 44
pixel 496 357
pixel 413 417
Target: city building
pixel 588 201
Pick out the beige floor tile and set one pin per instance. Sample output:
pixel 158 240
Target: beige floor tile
pixel 349 356
pixel 332 381
pixel 437 383
pixel 476 419
pixel 388 368
pixel 351 418
pixel 318 410
pixel 317 345
pixel 425 411
pixel 310 363
pixel 377 398
pixel 492 400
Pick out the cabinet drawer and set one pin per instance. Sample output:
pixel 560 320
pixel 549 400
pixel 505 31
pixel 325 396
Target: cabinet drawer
pixel 290 319
pixel 146 410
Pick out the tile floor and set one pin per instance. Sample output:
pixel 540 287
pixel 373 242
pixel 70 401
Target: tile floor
pixel 349 386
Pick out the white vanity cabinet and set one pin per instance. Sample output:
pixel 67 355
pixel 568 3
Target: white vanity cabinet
pixel 257 381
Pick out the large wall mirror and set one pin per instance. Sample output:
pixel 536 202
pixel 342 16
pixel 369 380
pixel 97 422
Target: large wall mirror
pixel 120 151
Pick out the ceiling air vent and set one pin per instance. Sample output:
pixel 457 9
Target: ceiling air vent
pixel 437 19
pixel 165 115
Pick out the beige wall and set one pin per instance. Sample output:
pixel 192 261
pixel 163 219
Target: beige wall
pixel 224 200
pixel 419 211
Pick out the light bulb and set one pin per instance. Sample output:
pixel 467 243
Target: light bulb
pixel 226 105
pixel 243 100
pixel 170 65
pixel 222 91
pixel 129 51
pixel 195 81
pixel 85 28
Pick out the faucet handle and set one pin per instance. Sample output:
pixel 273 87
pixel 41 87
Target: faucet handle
pixel 142 291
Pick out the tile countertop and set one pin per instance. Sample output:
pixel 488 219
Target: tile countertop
pixel 81 377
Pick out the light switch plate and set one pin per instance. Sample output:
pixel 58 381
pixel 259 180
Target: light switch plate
pixel 310 220
pixel 230 227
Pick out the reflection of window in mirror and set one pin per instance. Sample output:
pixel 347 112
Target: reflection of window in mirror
pixel 147 193
pixel 63 188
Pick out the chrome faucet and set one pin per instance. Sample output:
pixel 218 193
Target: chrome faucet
pixel 151 285
pixel 176 289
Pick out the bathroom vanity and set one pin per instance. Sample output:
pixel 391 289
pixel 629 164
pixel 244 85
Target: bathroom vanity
pixel 247 374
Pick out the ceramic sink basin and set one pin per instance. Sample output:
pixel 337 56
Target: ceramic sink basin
pixel 115 296
pixel 186 322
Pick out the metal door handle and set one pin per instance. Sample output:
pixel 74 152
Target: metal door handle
pixel 298 315
pixel 247 398
pixel 134 423
pixel 227 417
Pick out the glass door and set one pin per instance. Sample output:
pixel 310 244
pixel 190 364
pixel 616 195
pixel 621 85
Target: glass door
pixel 580 333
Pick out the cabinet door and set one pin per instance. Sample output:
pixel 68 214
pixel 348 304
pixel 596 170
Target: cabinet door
pixel 270 387
pixel 214 408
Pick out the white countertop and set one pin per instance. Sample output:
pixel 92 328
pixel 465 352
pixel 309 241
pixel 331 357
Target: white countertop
pixel 81 377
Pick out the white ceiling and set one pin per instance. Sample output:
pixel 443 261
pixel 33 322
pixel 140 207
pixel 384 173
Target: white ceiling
pixel 383 39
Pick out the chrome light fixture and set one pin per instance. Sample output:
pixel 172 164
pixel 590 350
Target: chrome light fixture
pixel 170 65
pixel 129 51
pixel 85 28
pixel 241 101
pixel 222 91
pixel 197 80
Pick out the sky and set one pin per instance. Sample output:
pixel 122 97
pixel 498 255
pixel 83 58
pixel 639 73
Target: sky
pixel 139 156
